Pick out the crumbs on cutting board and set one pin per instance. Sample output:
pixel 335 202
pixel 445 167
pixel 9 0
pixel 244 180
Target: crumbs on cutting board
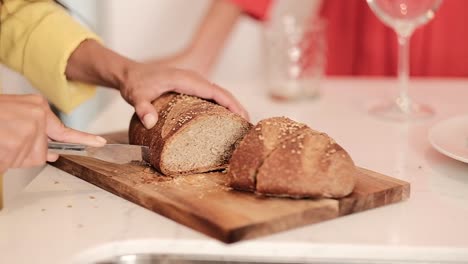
pixel 153 178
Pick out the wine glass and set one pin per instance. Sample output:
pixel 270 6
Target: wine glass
pixel 404 16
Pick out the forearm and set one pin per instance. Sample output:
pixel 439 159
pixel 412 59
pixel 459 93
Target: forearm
pixel 213 32
pixel 93 63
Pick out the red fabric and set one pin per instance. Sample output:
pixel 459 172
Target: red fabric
pixel 255 8
pixel 359 44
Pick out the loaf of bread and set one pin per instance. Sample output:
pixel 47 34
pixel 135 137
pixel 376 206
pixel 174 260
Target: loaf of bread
pixel 280 157
pixel 192 135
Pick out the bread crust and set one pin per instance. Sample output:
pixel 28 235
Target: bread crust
pixel 176 112
pixel 300 164
pixel 308 165
pixel 255 147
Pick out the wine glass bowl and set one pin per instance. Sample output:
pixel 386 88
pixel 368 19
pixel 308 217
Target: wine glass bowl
pixel 404 16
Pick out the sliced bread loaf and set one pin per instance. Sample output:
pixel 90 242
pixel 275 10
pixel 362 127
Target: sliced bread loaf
pixel 191 136
pixel 297 162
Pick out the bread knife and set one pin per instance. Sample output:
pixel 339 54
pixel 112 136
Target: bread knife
pixel 114 153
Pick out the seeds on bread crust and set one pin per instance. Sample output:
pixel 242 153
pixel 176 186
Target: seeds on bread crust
pixel 280 157
pixel 187 132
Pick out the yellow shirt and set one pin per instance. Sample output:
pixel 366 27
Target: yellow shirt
pixel 36 39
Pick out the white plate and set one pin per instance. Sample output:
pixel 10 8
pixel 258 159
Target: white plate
pixel 450 137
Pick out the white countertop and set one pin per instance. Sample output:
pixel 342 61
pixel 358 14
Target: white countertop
pixel 59 218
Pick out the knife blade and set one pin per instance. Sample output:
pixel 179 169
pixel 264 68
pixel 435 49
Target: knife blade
pixel 114 153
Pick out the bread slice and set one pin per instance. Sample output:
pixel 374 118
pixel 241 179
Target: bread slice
pixel 303 163
pixel 191 136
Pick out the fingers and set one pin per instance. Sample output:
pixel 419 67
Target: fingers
pixel 145 83
pixel 23 121
pixel 147 113
pixel 193 84
pixel 231 102
pixel 27 121
pixel 57 131
pixel 39 146
pixel 52 157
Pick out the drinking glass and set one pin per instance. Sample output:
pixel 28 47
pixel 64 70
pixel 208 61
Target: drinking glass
pixel 295 57
pixel 404 16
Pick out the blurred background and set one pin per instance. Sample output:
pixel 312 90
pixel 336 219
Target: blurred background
pixel 141 29
pixel 144 29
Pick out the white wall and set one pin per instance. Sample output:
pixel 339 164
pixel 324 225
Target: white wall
pixel 143 29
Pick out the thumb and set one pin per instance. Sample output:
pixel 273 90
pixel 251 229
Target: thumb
pixel 147 113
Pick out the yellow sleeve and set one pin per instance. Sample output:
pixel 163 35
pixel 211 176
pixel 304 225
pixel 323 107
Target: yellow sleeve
pixel 36 40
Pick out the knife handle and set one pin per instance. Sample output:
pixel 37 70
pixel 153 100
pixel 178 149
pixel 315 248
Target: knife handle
pixel 66 148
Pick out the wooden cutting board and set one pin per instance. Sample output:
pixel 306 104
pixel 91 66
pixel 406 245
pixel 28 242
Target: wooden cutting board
pixel 203 201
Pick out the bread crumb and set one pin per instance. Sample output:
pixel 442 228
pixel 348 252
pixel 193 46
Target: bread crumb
pixel 69 206
pixel 43 210
pixel 56 182
pixel 258 128
pixel 92 197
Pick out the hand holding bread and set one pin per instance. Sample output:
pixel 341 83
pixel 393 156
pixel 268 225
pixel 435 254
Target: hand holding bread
pixel 191 136
pixel 277 157
pixel 145 83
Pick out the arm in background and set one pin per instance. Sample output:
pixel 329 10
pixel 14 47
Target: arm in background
pixel 60 58
pixel 209 40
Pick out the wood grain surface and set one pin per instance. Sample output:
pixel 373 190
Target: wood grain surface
pixel 205 203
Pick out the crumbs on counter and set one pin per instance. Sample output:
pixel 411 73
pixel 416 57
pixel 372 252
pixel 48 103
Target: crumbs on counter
pixel 419 167
pixel 92 197
pixel 69 206
pixel 56 182
pixel 43 210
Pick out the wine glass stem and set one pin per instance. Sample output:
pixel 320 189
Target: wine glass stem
pixel 403 101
